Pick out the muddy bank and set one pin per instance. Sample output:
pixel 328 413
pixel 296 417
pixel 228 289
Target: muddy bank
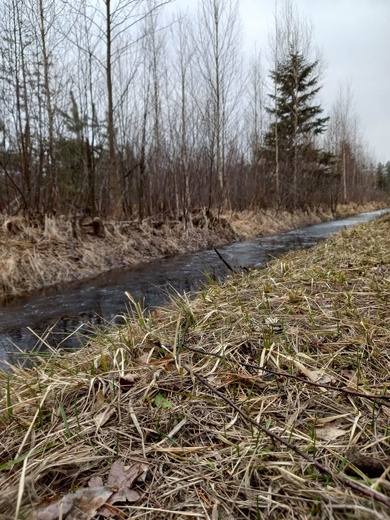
pixel 59 250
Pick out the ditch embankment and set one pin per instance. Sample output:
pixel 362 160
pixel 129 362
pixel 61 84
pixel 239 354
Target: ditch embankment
pixel 55 251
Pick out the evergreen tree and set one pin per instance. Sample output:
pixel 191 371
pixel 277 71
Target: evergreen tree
pixel 387 175
pixel 380 176
pixel 383 176
pixel 298 122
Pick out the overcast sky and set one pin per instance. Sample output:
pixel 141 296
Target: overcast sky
pixel 354 37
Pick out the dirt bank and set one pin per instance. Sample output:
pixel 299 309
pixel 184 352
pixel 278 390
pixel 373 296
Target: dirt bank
pixel 57 250
pixel 263 397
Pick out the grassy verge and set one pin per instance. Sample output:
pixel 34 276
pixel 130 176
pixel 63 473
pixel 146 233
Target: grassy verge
pixel 266 397
pixel 52 251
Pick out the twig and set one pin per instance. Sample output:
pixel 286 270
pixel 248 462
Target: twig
pixel 292 376
pixel 225 262
pixel 320 385
pixel 374 495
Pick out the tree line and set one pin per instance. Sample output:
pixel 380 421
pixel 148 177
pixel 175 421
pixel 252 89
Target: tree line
pixel 123 109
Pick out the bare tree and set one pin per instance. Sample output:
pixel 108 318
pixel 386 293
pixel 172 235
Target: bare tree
pixel 45 20
pixel 352 159
pixel 275 42
pixel 15 74
pixel 343 118
pixel 218 44
pixel 259 187
pixel 115 28
pixel 183 49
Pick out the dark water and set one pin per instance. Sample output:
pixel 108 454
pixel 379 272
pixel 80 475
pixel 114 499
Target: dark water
pixel 53 314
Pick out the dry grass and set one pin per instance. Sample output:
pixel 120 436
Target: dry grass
pixel 54 251
pixel 248 224
pixel 182 391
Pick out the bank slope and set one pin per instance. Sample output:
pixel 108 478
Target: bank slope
pixel 49 251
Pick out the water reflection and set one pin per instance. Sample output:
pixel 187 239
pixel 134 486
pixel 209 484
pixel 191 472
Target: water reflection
pixel 53 314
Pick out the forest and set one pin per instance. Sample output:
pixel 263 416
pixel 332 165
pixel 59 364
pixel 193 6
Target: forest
pixel 128 109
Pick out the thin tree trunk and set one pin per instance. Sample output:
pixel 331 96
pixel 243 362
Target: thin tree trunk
pixel 184 152
pixel 24 132
pixel 53 195
pixel 344 170
pixel 219 165
pixel 142 169
pixel 113 203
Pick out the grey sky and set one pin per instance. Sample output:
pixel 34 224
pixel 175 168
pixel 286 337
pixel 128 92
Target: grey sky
pixel 354 37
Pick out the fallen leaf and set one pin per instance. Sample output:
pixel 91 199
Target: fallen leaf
pixel 104 416
pixel 127 381
pixel 82 505
pixel 121 480
pixel 100 401
pixel 95 482
pixel 370 466
pixel 350 375
pixel 271 321
pixel 215 380
pixel 329 433
pixel 142 360
pixel 321 377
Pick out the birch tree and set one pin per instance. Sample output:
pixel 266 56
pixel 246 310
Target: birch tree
pixel 185 109
pixel 218 47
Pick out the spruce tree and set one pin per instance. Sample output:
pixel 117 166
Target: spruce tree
pixel 387 176
pixel 383 176
pixel 297 119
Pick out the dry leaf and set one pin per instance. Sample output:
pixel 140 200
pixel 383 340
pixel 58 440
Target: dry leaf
pixel 321 377
pixel 370 466
pixel 350 375
pixel 100 401
pixel 121 480
pixel 103 417
pixel 142 360
pixel 82 505
pixel 95 482
pixel 329 433
pixel 127 381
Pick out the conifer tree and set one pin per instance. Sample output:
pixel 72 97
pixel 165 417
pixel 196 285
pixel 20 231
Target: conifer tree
pixel 298 121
